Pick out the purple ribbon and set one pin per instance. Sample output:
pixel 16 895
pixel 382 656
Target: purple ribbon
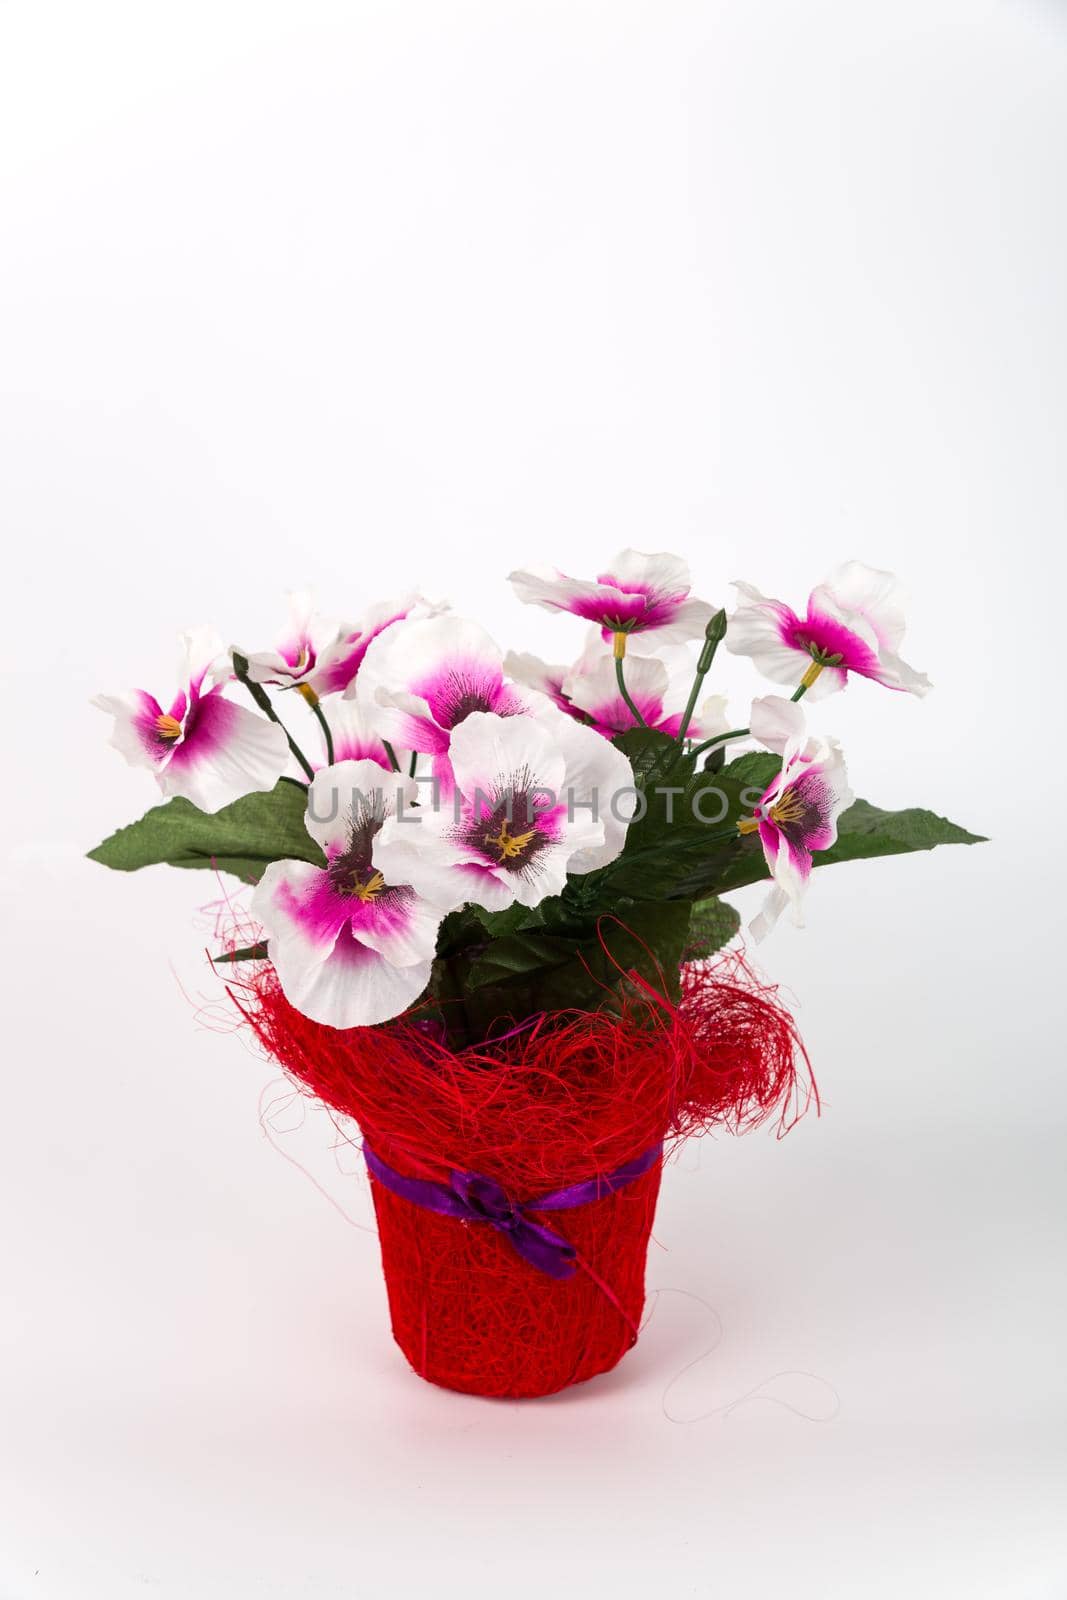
pixel 474 1198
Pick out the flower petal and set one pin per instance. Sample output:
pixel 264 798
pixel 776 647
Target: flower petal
pixel 419 851
pixel 763 629
pixel 308 634
pixel 597 693
pixel 340 794
pixel 874 595
pixel 710 718
pixel 301 913
pixel 599 792
pixel 199 649
pixel 688 620
pixel 772 908
pixel 490 753
pixel 863 609
pixel 776 721
pixel 136 732
pixel 659 573
pixel 539 676
pixel 552 590
pixel 400 924
pixel 325 968
pixel 448 665
pixel 339 665
pixel 354 987
pixel 358 733
pixel 639 592
pixel 225 752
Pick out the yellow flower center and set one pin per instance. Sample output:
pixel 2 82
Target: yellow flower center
pixel 789 807
pixel 168 727
pixel 308 693
pixel 510 845
pixel 369 890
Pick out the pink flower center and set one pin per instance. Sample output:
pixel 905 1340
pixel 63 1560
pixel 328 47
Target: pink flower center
pixel 829 643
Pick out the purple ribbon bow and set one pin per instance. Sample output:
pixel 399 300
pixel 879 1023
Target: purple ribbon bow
pixel 474 1198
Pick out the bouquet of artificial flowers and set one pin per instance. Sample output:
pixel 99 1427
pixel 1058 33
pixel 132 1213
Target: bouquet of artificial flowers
pixel 487 914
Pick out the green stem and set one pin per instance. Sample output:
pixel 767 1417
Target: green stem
pixel 741 733
pixel 811 676
pixel 326 734
pixel 713 636
pixel 720 738
pixel 260 696
pixel 624 691
pixel 391 753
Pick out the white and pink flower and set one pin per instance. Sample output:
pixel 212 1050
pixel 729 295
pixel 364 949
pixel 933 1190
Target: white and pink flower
pixel 798 811
pixel 204 747
pixel 854 623
pixel 659 690
pixel 319 656
pixel 296 657
pixel 351 946
pixel 637 594
pixel 531 798
pixel 430 675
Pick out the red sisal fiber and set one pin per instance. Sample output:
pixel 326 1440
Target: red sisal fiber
pixel 573 1096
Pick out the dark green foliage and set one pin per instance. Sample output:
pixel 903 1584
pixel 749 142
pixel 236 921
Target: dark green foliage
pixel 242 838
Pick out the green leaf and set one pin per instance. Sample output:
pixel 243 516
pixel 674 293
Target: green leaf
pixel 712 924
pixel 518 956
pixel 516 919
pixel 242 838
pixel 754 770
pixel 509 979
pixel 864 831
pixel 655 757
pixel 684 844
pixel 460 930
pixel 251 952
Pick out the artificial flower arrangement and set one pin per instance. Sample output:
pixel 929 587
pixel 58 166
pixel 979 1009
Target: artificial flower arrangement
pixel 487 920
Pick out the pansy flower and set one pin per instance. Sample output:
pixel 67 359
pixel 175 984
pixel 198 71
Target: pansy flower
pixel 320 657
pixel 204 747
pixel 296 657
pixel 637 594
pixel 531 799
pixel 798 811
pixel 854 623
pixel 430 675
pixel 351 946
pixel 659 693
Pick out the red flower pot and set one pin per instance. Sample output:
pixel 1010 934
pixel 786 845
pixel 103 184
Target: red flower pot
pixel 570 1103
pixel 471 1313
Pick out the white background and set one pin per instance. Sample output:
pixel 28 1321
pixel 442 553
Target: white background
pixel 371 294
